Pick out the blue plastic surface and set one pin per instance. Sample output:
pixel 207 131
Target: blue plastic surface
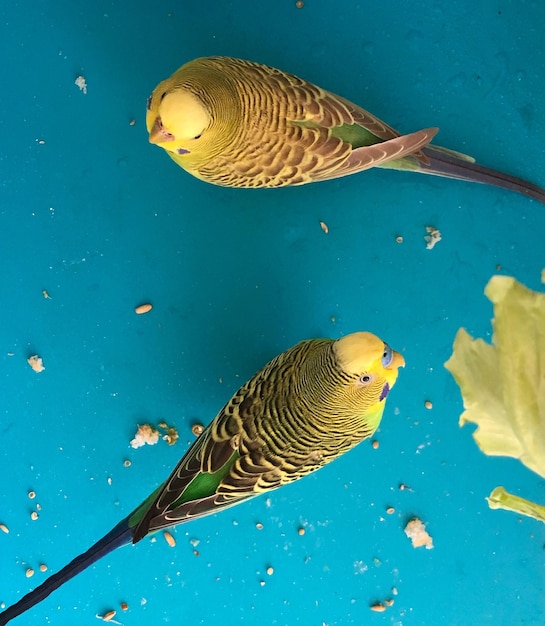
pixel 104 221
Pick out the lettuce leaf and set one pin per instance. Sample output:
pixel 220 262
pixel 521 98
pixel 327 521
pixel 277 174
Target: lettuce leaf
pixel 503 384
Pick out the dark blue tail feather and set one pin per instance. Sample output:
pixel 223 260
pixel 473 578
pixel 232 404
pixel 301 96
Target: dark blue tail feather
pixel 444 163
pixel 117 537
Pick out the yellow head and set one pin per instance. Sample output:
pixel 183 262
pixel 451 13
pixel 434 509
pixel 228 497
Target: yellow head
pixel 369 367
pixel 176 118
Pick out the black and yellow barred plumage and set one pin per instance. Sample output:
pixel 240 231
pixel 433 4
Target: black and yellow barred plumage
pixel 305 408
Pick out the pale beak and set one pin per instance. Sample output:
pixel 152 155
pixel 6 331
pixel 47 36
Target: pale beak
pixel 158 134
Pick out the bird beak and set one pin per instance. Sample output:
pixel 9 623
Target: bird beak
pixel 158 134
pixel 398 360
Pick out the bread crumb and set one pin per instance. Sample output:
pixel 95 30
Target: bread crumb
pixel 324 227
pixel 145 434
pixel 433 237
pixel 171 436
pixel 36 363
pixel 29 572
pixel 4 528
pixel 416 532
pixel 378 607
pixel 43 567
pixel 81 83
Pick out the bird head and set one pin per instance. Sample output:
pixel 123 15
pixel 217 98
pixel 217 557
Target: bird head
pixel 176 119
pixel 369 366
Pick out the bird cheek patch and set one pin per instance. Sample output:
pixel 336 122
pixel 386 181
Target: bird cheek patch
pixel 182 151
pixel 384 392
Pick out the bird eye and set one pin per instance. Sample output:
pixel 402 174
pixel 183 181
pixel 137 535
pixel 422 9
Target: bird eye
pixel 148 104
pixel 163 95
pixel 365 379
pixel 387 355
pixel 197 137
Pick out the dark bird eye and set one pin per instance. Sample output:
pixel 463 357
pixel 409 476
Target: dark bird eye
pixel 148 104
pixel 387 355
pixel 197 137
pixel 366 379
pixel 163 95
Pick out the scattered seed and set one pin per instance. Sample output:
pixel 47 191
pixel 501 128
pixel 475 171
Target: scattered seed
pixel 43 567
pixel 389 602
pixel 143 308
pixel 34 516
pixel 127 463
pixel 109 615
pixel 299 4
pixel 428 404
pixel 38 506
pixel 4 528
pixel 390 510
pixel 378 607
pixel 300 531
pixel 169 539
pixel 196 553
pixel 132 122
pixel 270 571
pixel 262 583
pixel 109 480
pixel 404 487
pixel 45 294
pixel 375 444
pixel 32 495
pixel 399 239
pixel 124 606
pixel 29 572
pixel 197 429
pixel 259 526
pixel 324 227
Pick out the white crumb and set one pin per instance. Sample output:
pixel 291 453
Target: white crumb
pixel 416 532
pixel 145 434
pixel 81 83
pixel 433 237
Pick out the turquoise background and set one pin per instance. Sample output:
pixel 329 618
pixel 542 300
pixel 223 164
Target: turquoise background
pixel 104 221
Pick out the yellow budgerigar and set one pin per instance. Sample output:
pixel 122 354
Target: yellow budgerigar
pixel 305 408
pixel 242 124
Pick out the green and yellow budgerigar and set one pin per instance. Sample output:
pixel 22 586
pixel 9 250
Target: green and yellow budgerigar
pixel 305 408
pixel 242 124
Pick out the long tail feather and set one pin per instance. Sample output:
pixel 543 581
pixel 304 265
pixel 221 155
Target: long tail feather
pixel 443 162
pixel 117 537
